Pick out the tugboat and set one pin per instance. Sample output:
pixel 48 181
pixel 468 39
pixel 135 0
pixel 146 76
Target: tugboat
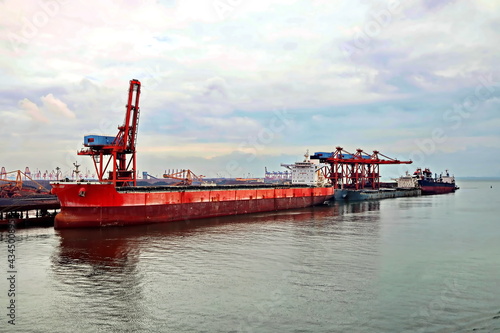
pixel 435 185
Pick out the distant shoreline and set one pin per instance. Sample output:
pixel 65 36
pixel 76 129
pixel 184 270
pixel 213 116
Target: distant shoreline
pixel 477 178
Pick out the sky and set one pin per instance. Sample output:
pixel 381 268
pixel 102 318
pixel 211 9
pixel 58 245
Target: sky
pixel 230 87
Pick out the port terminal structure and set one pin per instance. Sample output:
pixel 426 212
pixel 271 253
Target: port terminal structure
pixel 184 176
pixel 36 175
pixel 25 201
pixel 357 176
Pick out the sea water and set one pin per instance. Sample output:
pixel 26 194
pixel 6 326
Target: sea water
pixel 420 264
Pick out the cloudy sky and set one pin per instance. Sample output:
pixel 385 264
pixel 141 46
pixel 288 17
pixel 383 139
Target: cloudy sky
pixel 232 86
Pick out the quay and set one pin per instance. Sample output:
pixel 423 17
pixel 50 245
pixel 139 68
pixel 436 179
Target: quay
pixel 35 210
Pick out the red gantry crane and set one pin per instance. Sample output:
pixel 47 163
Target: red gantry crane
pixel 355 171
pixel 118 154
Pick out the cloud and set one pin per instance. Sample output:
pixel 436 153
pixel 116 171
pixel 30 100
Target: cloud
pixel 51 105
pixel 216 86
pixel 57 106
pixel 33 111
pixel 214 79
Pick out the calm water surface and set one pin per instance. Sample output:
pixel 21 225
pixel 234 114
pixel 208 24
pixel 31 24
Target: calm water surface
pixel 424 264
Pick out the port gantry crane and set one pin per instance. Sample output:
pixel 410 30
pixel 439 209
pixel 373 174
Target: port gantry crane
pixel 354 171
pixel 186 177
pixel 106 150
pixel 10 188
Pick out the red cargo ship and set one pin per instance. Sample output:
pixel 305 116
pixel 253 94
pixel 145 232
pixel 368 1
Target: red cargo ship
pixel 99 204
pixel 116 200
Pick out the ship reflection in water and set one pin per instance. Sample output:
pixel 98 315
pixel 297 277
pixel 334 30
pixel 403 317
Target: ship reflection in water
pixel 115 248
pixel 176 276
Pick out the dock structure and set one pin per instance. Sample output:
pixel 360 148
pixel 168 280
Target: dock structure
pixel 36 210
pixel 25 201
pixel 356 171
pixel 356 176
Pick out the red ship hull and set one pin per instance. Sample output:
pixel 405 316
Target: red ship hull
pixel 433 187
pixel 427 190
pixel 86 205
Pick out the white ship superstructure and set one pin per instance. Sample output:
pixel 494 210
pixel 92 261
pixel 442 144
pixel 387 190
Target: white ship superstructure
pixel 307 172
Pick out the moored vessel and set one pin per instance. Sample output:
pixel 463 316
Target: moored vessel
pixel 115 199
pixel 100 204
pixel 435 185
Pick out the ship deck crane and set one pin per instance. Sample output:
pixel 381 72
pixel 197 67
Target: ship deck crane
pixel 118 154
pixel 356 171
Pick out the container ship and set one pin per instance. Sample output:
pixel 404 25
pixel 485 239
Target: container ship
pixel 434 185
pixel 116 200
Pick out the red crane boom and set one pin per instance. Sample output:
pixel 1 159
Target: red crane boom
pixel 119 151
